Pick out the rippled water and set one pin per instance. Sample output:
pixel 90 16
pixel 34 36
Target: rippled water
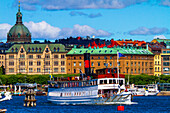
pixel 152 104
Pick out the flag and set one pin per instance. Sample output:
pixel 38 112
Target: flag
pixel 120 54
pixel 51 76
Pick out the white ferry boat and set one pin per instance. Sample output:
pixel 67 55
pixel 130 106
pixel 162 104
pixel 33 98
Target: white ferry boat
pixel 105 88
pixel 152 90
pixel 137 90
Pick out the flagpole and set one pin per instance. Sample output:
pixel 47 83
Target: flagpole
pixel 118 66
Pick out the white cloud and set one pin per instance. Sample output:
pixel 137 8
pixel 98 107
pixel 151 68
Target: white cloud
pixel 159 37
pixel 148 31
pixel 43 30
pixel 4 28
pixel 165 2
pixel 81 4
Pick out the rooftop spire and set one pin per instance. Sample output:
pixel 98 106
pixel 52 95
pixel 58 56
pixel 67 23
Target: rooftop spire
pixel 19 15
pixel 19 6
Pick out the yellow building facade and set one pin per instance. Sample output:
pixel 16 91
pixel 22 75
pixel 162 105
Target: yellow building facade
pixel 35 59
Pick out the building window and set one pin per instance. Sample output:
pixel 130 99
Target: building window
pixel 91 57
pixel 110 64
pixel 110 57
pixel 11 56
pixel 92 64
pixel 38 63
pixel 39 49
pixel 98 57
pixel 22 63
pixel 46 50
pixel 38 69
pixel 126 63
pixel 62 56
pixel 79 63
pixel 32 49
pixel 22 56
pixel 11 69
pixel 47 63
pixel 135 70
pixel 135 63
pixel 55 56
pixel 58 49
pixel 54 49
pixel 62 63
pixel 166 69
pixel 138 63
pixel 74 58
pixel 142 63
pixel 62 69
pixel 55 69
pixel 47 56
pixel 80 57
pixel 30 56
pixel 165 63
pixel 11 63
pixel 30 63
pixel 36 49
pixel 131 70
pixel 164 51
pixel 55 63
pixel 47 70
pixel 22 50
pixel 38 56
pixel 131 63
pixel 74 63
pixel 22 70
pixel 139 71
pixel 98 63
pixel 30 70
pixel 105 57
pixel 74 70
pixel 166 58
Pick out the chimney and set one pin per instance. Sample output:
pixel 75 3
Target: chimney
pixel 87 64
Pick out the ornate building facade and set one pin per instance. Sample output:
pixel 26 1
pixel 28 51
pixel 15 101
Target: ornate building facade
pixel 35 59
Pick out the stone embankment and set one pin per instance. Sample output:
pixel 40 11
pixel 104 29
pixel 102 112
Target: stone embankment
pixel 164 93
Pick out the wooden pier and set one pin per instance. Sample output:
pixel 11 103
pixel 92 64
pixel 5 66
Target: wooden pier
pixel 3 110
pixel 30 100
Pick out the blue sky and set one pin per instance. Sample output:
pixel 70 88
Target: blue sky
pixel 105 19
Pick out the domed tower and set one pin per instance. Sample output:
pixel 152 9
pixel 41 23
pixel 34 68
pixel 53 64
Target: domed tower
pixel 18 33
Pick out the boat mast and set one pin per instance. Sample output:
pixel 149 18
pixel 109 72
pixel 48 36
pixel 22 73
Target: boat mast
pixel 118 65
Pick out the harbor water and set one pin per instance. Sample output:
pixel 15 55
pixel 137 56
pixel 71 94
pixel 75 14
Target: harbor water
pixel 150 104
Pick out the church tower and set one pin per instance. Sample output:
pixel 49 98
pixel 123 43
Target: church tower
pixel 19 33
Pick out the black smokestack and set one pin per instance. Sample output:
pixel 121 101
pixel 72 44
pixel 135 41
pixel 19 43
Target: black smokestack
pixel 87 64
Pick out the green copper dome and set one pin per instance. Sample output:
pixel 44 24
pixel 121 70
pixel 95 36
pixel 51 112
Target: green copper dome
pixel 19 32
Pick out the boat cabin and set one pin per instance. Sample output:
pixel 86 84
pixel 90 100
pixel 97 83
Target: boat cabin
pixel 108 73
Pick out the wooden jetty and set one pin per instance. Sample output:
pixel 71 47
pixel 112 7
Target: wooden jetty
pixel 3 110
pixel 30 100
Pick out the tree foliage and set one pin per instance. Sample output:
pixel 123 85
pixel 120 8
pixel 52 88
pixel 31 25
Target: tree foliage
pixel 144 79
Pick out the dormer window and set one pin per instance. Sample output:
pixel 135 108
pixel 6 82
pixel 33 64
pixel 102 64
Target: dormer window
pixel 54 49
pixel 16 49
pixel 32 49
pixel 58 49
pixel 29 49
pixel 12 49
pixel 10 34
pixel 105 51
pixel 110 51
pixel 92 51
pixel 46 50
pixel 39 49
pixel 27 34
pixel 80 51
pixel 19 35
pixel 99 51
pixel 36 49
pixel 22 50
